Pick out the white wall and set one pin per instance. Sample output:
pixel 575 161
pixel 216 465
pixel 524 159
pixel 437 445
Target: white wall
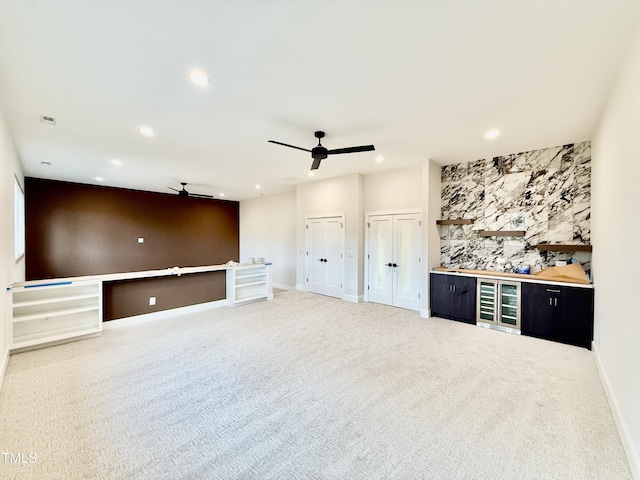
pixel 335 195
pixel 393 189
pixel 616 266
pixel 268 229
pixel 9 271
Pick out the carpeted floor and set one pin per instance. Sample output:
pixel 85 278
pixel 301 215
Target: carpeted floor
pixel 307 387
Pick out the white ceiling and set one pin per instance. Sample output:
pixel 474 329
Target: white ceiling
pixel 418 79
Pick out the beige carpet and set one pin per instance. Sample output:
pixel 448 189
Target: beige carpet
pixel 308 387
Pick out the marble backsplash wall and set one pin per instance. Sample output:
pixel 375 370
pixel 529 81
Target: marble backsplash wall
pixel 545 192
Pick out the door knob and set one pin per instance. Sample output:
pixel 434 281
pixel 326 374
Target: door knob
pixel 395 265
pixel 389 265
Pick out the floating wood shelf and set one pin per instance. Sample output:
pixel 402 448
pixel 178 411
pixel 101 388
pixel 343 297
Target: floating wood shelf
pixel 557 247
pixel 458 221
pixel 502 233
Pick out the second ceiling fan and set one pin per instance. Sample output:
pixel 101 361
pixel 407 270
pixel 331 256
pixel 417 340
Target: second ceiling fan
pixel 319 153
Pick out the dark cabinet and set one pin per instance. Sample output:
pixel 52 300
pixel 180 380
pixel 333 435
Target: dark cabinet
pixel 453 297
pixel 562 314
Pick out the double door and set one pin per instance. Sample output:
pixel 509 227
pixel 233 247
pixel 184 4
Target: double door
pixel 325 259
pixel 393 260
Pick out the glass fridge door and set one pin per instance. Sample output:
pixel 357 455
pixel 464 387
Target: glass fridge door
pixel 510 305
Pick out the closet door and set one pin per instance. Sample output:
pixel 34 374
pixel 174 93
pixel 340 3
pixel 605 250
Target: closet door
pixel 315 255
pixel 406 261
pixel 394 260
pixel 325 263
pixel 380 259
pixel 333 262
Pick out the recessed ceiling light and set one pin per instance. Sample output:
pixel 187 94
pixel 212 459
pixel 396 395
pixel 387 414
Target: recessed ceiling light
pixel 200 78
pixel 379 159
pixel 312 173
pixel 99 179
pixel 116 162
pixel 221 194
pixel 491 134
pixel 147 131
pixel 258 187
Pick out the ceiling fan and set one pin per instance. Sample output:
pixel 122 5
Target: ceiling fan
pixel 184 193
pixel 319 153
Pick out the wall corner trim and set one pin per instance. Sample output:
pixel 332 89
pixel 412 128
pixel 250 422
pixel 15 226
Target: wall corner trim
pixel 633 456
pixel 3 366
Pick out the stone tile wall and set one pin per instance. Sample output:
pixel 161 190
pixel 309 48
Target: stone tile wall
pixel 545 192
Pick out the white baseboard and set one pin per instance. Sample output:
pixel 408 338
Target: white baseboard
pixel 152 317
pixel 353 298
pixel 633 456
pixel 300 287
pixel 425 313
pixel 282 286
pixel 3 366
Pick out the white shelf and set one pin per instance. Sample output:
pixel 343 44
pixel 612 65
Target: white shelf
pixel 55 312
pixel 251 275
pixel 248 283
pixel 239 285
pixel 45 301
pixel 52 336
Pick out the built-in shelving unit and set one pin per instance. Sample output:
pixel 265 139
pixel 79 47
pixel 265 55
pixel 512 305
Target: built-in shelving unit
pixel 48 313
pixel 502 233
pixel 248 283
pixel 557 247
pixel 458 221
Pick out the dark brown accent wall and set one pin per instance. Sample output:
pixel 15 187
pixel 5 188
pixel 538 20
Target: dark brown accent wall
pixel 131 297
pixel 75 229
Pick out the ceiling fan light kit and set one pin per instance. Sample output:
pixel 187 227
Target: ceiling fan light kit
pixel 319 152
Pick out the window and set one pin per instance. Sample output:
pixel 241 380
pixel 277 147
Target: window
pixel 18 219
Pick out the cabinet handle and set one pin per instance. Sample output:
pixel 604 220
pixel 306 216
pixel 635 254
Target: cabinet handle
pixel 550 302
pixel 552 290
pixel 454 289
pixel 555 302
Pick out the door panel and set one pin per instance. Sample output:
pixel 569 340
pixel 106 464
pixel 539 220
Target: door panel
pixel 380 255
pixel 316 270
pixel 333 239
pixel 407 260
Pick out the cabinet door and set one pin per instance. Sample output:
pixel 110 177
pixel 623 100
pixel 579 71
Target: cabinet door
pixel 440 295
pixel 575 308
pixel 464 299
pixel 538 312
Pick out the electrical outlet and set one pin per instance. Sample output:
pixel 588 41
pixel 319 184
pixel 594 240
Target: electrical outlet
pixel 152 300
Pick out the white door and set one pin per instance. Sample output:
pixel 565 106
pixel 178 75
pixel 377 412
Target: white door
pixel 380 259
pixel 394 260
pixel 325 262
pixel 406 261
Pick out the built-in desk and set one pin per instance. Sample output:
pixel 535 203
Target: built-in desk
pixel 62 309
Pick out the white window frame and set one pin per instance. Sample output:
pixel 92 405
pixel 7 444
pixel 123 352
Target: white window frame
pixel 18 220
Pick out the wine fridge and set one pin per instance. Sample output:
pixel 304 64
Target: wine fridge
pixel 498 304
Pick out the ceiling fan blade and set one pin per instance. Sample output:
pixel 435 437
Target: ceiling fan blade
pixel 316 163
pixel 174 189
pixel 363 148
pixel 200 195
pixel 290 146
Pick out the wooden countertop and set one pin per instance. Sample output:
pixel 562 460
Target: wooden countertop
pixel 540 277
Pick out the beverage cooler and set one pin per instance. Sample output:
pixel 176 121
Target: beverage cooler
pixel 498 304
